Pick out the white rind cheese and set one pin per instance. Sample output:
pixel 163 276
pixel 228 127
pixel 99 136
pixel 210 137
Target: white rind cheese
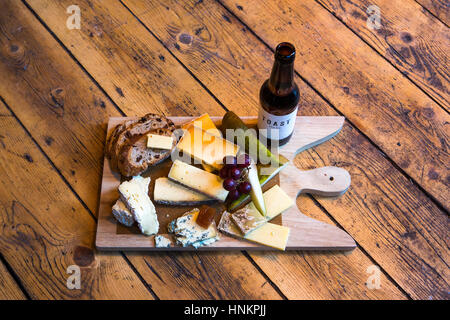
pixel 172 193
pixel 134 194
pixel 122 214
pixel 198 179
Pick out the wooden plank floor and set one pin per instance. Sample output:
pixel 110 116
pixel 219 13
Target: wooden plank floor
pixel 59 86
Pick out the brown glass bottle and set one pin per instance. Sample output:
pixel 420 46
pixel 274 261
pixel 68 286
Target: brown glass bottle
pixel 279 96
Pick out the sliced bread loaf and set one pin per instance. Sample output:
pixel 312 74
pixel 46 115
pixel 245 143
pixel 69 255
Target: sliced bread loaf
pixel 132 129
pixel 135 157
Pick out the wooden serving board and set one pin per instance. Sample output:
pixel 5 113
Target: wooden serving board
pixel 305 233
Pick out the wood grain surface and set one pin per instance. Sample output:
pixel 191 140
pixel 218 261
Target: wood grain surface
pixel 372 94
pixel 243 44
pixel 46 229
pixel 412 40
pixel 132 57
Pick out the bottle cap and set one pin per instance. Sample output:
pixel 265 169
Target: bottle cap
pixel 285 52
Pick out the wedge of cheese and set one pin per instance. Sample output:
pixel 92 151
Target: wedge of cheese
pixel 172 193
pixel 159 142
pixel 205 147
pixel 276 201
pixel 198 180
pixel 248 218
pixel 205 123
pixel 269 234
pixel 134 194
pixel 122 214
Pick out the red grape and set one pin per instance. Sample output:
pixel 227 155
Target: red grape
pixel 235 173
pixel 243 161
pixel 229 184
pixel 233 194
pixel 245 187
pixel 223 173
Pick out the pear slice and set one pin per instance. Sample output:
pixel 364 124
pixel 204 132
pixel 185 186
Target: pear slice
pixel 256 193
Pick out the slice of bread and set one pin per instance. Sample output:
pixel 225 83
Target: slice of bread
pixel 135 157
pixel 115 134
pixel 132 130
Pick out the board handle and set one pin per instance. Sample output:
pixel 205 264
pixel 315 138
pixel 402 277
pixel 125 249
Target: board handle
pixel 324 181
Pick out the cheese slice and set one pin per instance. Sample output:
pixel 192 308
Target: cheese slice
pixel 269 234
pixel 134 194
pixel 276 201
pixel 198 179
pixel 159 142
pixel 205 147
pixel 205 123
pixel 172 193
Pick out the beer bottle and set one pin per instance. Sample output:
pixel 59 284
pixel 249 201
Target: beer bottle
pixel 279 97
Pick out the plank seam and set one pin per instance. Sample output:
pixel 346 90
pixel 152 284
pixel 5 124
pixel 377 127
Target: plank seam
pixel 15 277
pixel 392 162
pixel 266 277
pixel 73 57
pixel 148 286
pixel 427 10
pixel 47 157
pixel 318 204
pixel 387 60
pixel 175 57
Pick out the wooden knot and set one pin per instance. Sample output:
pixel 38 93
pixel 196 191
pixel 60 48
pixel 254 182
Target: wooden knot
pixel 16 54
pixel 185 38
pixel 83 256
pixel 57 101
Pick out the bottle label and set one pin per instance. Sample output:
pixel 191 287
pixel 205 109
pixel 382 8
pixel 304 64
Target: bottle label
pixel 283 125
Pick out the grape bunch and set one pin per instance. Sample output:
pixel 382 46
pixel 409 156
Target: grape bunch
pixel 233 174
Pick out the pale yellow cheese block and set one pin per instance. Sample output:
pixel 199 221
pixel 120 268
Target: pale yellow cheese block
pixel 206 147
pixel 198 179
pixel 269 234
pixel 276 201
pixel 159 142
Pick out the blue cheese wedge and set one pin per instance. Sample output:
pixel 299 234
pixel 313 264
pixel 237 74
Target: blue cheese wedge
pixel 188 233
pixel 162 242
pixel 134 194
pixel 122 214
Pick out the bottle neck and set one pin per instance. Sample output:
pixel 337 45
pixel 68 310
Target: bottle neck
pixel 281 81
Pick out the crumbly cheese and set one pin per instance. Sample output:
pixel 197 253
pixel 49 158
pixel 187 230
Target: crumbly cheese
pixel 162 242
pixel 188 232
pixel 134 194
